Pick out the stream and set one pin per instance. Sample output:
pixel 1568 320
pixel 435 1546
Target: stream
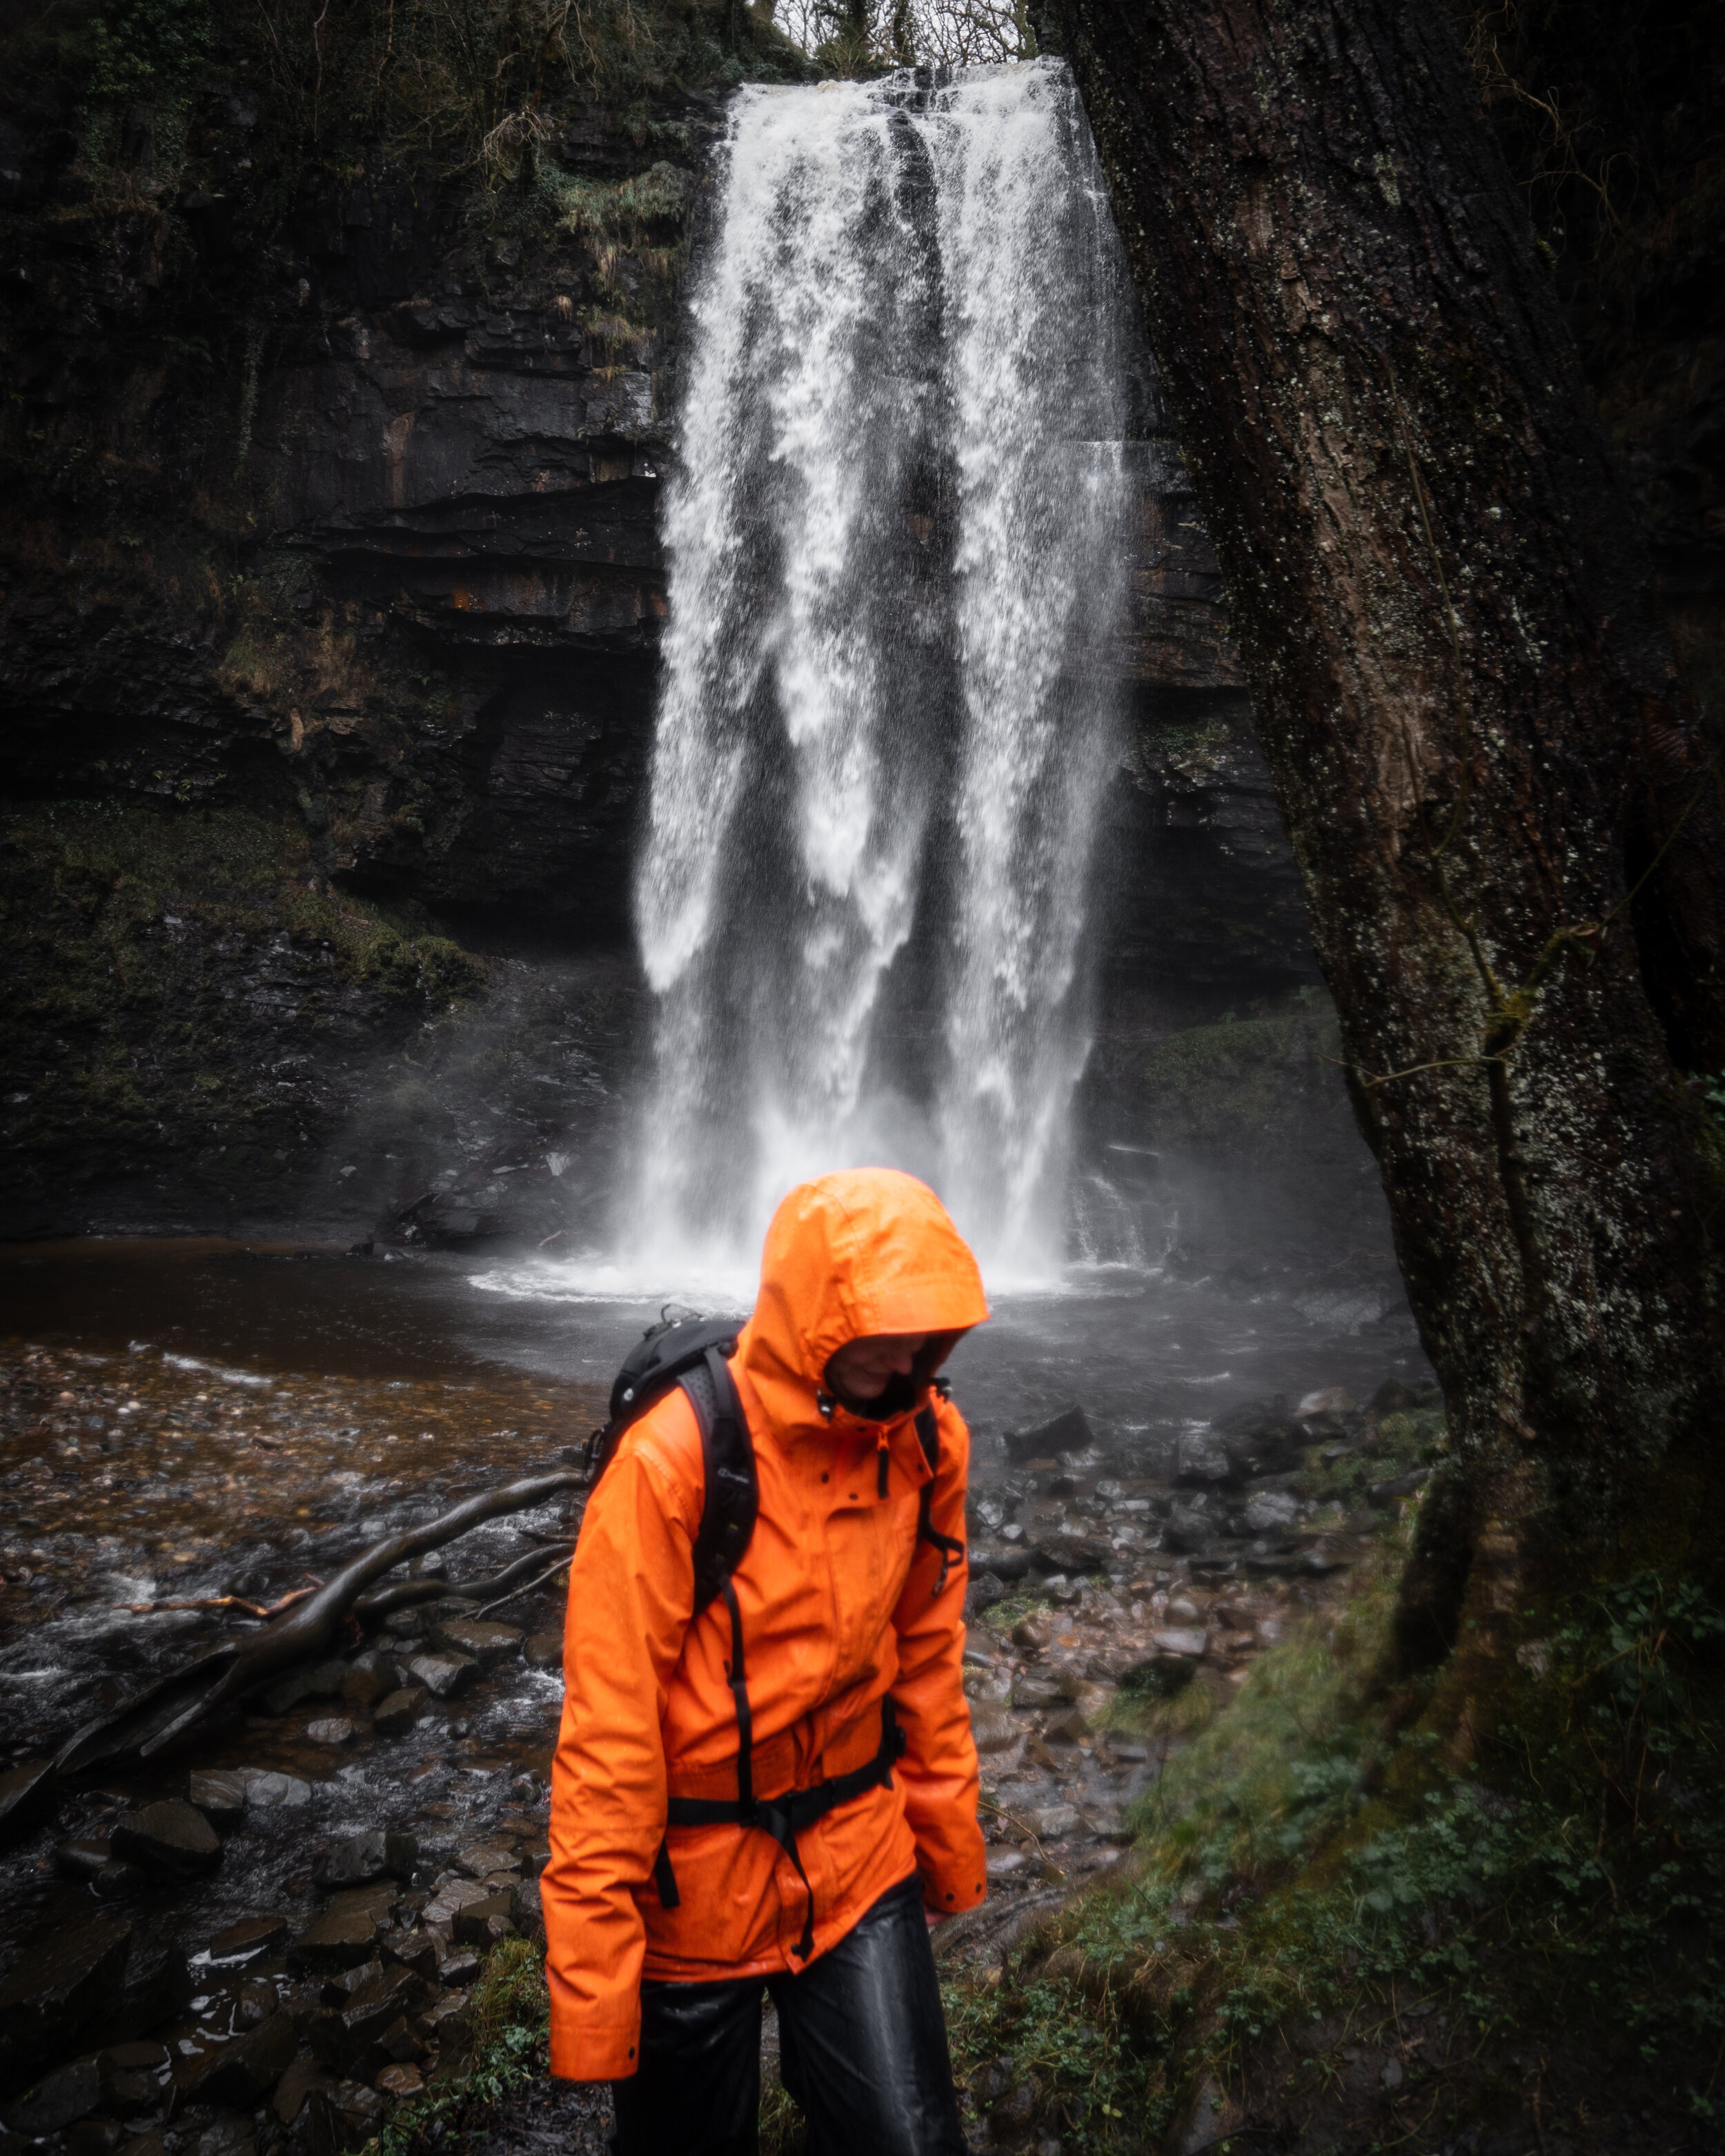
pixel 189 1420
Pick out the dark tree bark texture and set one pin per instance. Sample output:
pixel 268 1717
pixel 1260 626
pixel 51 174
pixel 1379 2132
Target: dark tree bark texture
pixel 1478 740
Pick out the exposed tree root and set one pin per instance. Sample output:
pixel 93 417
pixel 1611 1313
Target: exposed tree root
pixel 143 1725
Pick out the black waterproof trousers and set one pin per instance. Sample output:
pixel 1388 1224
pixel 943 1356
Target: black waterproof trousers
pixel 862 2046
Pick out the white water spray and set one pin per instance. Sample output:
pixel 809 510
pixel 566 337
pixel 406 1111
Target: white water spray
pixel 897 546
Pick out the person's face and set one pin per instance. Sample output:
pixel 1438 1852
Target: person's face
pixel 862 1369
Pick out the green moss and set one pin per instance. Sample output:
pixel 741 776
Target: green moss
pixel 1338 1476
pixel 135 936
pixel 1310 1855
pixel 1210 1084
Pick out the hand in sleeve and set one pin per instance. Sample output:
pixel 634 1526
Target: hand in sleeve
pixel 939 1771
pixel 631 1594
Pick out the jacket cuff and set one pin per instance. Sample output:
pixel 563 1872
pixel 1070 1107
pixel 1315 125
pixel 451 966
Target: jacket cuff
pixel 585 2049
pixel 956 1877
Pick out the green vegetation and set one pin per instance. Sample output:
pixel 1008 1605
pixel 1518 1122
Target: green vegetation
pixel 1210 1084
pixel 1331 1862
pixel 159 958
pixel 511 2018
pixel 138 46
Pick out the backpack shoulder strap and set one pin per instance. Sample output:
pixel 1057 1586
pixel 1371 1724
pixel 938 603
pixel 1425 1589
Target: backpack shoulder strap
pixel 928 1431
pixel 732 1497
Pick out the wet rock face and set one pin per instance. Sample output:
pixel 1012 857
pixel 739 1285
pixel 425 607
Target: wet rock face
pixel 393 589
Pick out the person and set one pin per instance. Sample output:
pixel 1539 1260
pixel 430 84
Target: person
pixel 662 1939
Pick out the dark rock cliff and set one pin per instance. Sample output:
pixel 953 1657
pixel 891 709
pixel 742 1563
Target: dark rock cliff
pixel 330 591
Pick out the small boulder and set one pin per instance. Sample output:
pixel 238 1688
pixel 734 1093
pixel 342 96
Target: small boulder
pixel 331 1729
pixel 1051 1822
pixel 28 1796
pixel 158 1987
pixel 486 1643
pixel 361 2106
pixel 268 1791
pixel 985 1591
pixel 1269 1512
pixel 133 2076
pixel 1188 1529
pixel 397 1713
pixel 246 2069
pixel 1036 1691
pixel 340 2034
pixel 995 1729
pixel 526 1907
pixel 302 2077
pixel 1201 1459
pixel 219 1795
pixel 61 1985
pixel 418 1951
pixel 1009 1562
pixel 82 1859
pixel 170 1837
pixel 1068 1553
pixel 369 1677
pixel 313 1681
pixel 480 1859
pixel 401 2081
pixel 544 1651
pixel 444 1674
pixel 1069 1431
pixel 1330 1401
pixel 1398 1485
pixel 481 1923
pixel 450 2023
pixel 249 1936
pixel 1184 1640
pixel 69 2092
pixel 363 1857
pixel 449 1898
pixel 340 1939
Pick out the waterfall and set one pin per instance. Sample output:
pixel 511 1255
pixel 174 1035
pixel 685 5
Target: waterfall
pixel 897 536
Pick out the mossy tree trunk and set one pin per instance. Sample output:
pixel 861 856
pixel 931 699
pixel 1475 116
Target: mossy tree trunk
pixel 1512 848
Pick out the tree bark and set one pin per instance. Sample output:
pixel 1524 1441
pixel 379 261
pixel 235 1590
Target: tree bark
pixel 1478 740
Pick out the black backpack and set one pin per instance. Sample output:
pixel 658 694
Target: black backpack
pixel 692 1352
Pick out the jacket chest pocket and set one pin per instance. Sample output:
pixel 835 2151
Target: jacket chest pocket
pixel 870 1547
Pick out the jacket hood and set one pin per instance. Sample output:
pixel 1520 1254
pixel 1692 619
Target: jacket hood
pixel 866 1250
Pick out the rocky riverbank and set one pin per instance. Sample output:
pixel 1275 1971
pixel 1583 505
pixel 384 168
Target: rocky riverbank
pixel 273 1934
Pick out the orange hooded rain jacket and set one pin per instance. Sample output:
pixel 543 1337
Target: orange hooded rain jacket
pixel 838 1607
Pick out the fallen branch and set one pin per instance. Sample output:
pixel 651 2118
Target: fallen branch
pixel 515 1593
pixel 143 1725
pixel 225 1602
pixel 379 1602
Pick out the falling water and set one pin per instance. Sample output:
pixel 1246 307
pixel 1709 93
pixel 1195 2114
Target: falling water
pixel 896 545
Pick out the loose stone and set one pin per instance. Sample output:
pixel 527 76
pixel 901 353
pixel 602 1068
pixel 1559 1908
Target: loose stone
pixel 171 1837
pixel 397 1713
